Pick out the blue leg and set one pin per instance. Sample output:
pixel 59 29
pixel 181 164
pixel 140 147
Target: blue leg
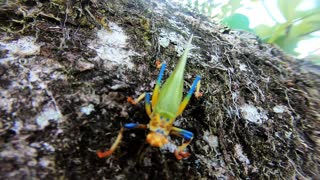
pixel 187 135
pixel 186 99
pixel 148 105
pixel 134 125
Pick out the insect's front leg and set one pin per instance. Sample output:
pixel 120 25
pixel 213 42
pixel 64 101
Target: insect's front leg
pixel 187 135
pixel 102 154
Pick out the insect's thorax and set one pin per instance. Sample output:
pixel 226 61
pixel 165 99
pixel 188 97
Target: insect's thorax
pixel 160 123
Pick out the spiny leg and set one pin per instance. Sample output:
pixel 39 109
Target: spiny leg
pixel 186 99
pixel 156 90
pixel 102 154
pixel 187 135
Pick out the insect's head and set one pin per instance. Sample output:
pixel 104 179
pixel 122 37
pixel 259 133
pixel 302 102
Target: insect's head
pixel 156 139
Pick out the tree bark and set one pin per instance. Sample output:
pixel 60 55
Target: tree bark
pixel 67 68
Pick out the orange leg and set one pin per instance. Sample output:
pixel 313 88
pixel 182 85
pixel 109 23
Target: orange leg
pixel 158 64
pixel 113 147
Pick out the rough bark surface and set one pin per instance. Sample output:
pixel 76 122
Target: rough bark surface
pixel 67 67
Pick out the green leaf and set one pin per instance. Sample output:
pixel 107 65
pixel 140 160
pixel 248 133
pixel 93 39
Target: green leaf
pixel 305 14
pixel 264 31
pixel 279 31
pixel 225 9
pixel 230 7
pixel 189 4
pixel 237 21
pixel 196 4
pixel 287 44
pixel 304 28
pixel 288 8
pixel 307 25
pixel 234 4
pixel 210 10
pixel 204 7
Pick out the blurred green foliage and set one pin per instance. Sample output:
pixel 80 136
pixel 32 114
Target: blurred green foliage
pixel 299 24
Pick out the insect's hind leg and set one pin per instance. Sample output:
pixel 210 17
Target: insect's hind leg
pixel 197 93
pixel 156 90
pixel 187 135
pixel 148 105
pixel 102 154
pixel 195 85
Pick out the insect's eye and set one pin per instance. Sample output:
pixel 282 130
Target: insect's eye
pixel 162 118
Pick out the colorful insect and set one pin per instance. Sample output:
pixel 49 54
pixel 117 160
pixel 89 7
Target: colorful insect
pixel 163 109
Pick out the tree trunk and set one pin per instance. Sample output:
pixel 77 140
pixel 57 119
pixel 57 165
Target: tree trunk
pixel 67 68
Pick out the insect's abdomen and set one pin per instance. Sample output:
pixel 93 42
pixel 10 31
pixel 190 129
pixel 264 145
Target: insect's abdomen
pixel 171 95
pixel 171 92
